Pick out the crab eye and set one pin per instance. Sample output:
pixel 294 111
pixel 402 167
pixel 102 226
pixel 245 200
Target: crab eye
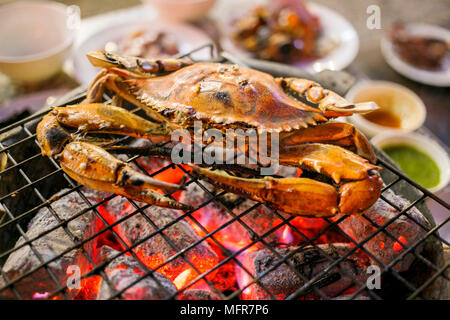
pixel 110 57
pixel 223 96
pixel 144 66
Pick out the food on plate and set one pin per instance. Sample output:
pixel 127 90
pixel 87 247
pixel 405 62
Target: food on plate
pixel 337 161
pixel 283 30
pixel 421 52
pixel 145 44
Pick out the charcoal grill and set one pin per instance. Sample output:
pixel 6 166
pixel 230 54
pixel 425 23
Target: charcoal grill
pixel 29 182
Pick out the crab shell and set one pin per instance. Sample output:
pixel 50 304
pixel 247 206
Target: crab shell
pixel 224 95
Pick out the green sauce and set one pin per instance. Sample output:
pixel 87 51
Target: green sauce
pixel 417 165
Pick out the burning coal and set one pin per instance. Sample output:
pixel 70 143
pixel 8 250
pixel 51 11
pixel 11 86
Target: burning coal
pixel 158 253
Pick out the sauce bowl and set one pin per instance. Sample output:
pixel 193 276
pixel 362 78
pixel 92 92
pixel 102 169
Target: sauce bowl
pixel 422 143
pixel 392 97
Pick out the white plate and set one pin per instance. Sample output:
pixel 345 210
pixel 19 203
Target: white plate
pixel 440 78
pixel 187 37
pixel 334 28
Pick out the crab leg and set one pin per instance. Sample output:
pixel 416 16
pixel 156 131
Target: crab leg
pixel 300 196
pixel 331 104
pixel 97 169
pixel 337 133
pixel 119 68
pixel 142 68
pixel 98 117
pixel 107 79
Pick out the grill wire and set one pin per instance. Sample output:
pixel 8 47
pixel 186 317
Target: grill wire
pixel 23 167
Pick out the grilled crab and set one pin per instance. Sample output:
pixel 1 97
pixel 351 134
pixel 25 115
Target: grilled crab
pixel 342 176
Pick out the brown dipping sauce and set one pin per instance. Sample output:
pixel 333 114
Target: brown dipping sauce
pixel 383 118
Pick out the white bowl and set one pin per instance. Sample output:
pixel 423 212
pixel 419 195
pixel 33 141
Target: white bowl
pixel 35 39
pixel 181 10
pixel 398 99
pixel 423 143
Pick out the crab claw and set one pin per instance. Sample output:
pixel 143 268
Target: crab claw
pixel 331 104
pixel 358 196
pixel 333 161
pixel 337 133
pixel 300 196
pixel 143 67
pixel 51 135
pixel 97 169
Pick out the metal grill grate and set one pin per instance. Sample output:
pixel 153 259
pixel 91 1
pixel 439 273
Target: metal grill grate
pixel 37 187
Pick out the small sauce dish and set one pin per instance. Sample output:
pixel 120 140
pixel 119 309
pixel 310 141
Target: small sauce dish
pixel 401 110
pixel 420 157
